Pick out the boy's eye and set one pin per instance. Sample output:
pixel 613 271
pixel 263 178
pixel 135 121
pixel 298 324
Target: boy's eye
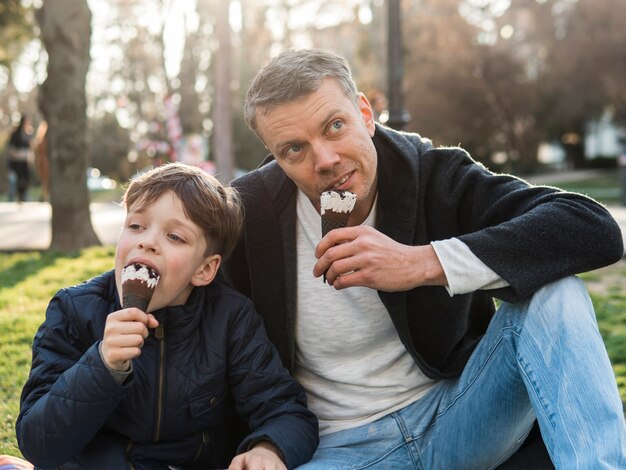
pixel 174 237
pixel 134 226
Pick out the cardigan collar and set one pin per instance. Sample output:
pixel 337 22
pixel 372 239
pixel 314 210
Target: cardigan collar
pixel 274 222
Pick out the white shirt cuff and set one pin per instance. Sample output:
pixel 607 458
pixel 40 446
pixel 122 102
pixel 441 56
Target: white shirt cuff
pixel 464 271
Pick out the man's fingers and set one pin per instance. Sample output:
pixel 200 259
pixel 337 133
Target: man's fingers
pixel 336 237
pixel 340 259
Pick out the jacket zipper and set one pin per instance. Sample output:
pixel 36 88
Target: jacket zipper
pixel 128 447
pixel 205 439
pixel 160 335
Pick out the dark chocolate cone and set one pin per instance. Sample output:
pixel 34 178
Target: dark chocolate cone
pixel 138 285
pixel 332 220
pixel 133 300
pixel 335 209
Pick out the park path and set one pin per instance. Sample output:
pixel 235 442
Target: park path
pixel 27 226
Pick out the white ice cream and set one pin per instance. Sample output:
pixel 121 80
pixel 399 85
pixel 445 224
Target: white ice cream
pixel 143 274
pixel 337 202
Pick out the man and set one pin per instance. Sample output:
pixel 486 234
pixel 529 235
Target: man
pixel 403 359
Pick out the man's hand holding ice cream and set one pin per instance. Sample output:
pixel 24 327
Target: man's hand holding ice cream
pixel 126 329
pixel 363 256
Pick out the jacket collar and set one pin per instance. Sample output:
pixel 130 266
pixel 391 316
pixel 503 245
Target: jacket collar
pixel 397 185
pixel 271 229
pixel 397 205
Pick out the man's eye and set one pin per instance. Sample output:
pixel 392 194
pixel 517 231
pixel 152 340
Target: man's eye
pixel 293 150
pixel 336 126
pixel 294 153
pixel 134 226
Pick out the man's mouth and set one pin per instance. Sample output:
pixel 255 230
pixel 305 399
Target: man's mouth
pixel 341 182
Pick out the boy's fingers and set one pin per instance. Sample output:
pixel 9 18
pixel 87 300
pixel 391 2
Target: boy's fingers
pixel 130 314
pixel 126 339
pixel 152 321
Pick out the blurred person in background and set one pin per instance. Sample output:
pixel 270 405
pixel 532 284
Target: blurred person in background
pixel 41 160
pixel 21 156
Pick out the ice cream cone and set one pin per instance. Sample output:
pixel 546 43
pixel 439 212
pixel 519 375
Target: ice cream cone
pixel 138 284
pixel 335 209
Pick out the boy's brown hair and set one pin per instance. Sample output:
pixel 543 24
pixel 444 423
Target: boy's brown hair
pixel 216 209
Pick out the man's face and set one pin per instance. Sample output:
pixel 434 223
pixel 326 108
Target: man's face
pixel 324 141
pixel 161 236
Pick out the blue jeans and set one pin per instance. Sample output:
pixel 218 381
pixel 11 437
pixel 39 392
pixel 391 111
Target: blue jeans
pixel 543 358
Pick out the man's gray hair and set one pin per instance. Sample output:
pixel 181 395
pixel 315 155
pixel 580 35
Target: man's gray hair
pixel 292 75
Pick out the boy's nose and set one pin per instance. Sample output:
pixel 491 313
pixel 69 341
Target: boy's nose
pixel 147 242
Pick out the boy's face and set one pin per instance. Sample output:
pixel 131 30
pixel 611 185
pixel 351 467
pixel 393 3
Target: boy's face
pixel 162 237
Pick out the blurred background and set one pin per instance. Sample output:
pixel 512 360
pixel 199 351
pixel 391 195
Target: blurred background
pixel 532 87
pixel 526 86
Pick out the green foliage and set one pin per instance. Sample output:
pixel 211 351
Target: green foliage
pixel 16 29
pixel 109 147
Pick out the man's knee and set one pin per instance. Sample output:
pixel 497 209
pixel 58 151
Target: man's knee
pixel 561 303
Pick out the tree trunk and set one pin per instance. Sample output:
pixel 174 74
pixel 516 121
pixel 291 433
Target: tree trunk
pixel 66 33
pixel 222 107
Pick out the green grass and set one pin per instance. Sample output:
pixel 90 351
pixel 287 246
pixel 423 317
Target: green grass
pixel 605 188
pixel 610 305
pixel 29 280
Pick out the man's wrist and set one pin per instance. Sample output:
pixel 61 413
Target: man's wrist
pixel 429 270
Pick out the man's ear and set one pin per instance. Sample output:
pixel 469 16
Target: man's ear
pixel 207 270
pixel 367 113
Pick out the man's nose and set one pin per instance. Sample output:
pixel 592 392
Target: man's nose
pixel 325 157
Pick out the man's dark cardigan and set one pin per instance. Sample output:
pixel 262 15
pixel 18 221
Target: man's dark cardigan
pixel 530 236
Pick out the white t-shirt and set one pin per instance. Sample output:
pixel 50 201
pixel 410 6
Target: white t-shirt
pixel 349 357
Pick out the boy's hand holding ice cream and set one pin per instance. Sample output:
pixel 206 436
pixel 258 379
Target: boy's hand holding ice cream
pixel 126 329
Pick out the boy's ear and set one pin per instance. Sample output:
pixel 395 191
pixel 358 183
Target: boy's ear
pixel 207 270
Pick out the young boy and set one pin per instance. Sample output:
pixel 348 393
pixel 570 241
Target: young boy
pixel 113 387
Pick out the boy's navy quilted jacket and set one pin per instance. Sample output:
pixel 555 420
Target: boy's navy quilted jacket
pixel 208 364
